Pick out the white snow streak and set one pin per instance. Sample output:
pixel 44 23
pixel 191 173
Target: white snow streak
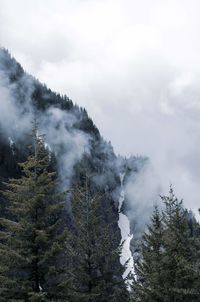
pixel 126 237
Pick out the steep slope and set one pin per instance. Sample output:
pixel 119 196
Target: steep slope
pixel 72 138
pixel 23 97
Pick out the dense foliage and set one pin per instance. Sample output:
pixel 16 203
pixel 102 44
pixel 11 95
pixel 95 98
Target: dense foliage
pixel 32 246
pixel 44 259
pixel 168 269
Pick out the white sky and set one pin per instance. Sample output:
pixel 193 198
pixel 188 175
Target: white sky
pixel 134 65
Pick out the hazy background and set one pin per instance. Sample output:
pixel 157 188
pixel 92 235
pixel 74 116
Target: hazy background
pixel 134 65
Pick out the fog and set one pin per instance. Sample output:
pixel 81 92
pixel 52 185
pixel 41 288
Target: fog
pixel 134 65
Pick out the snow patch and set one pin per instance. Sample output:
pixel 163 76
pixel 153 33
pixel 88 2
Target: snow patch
pixel 11 143
pixel 126 237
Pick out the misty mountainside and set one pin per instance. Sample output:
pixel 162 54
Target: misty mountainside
pixel 74 142
pixel 77 222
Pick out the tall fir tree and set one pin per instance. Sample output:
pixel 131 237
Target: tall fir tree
pixel 148 286
pixel 179 257
pixel 33 240
pixel 97 271
pixel 169 267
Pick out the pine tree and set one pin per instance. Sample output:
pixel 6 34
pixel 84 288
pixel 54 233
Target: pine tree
pixel 33 241
pixel 97 271
pixel 169 266
pixel 148 287
pixel 179 264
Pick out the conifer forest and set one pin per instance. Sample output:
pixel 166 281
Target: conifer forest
pixel 99 151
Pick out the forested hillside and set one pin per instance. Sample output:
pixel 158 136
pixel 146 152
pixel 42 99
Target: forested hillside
pixel 60 229
pixel 76 153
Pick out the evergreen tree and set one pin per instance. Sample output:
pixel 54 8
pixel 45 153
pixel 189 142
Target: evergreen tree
pixel 33 242
pixel 148 287
pixel 169 266
pixel 97 272
pixel 179 263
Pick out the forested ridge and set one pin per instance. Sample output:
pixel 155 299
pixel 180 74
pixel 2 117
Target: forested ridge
pixel 59 233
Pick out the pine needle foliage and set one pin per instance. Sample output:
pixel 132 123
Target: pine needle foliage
pixel 169 266
pixel 33 241
pixel 97 272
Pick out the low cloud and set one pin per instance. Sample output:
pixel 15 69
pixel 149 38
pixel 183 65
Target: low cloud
pixel 61 135
pixel 134 65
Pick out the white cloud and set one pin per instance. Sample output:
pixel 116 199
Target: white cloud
pixel 134 65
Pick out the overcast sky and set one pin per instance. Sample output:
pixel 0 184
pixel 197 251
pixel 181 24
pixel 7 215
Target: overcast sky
pixel 134 65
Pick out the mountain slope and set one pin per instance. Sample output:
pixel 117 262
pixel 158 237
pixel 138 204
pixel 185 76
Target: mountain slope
pixel 73 140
